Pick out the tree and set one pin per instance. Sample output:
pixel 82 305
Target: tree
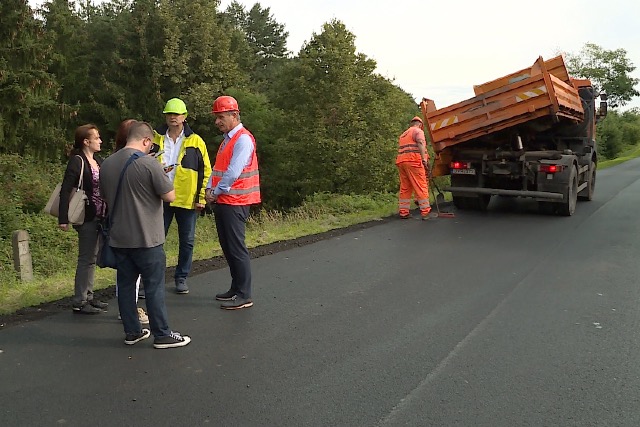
pixel 29 113
pixel 608 70
pixel 259 42
pixel 347 118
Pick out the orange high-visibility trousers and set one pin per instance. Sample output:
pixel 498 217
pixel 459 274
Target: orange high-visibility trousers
pixel 413 178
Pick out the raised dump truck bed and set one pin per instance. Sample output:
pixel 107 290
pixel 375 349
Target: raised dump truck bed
pixel 542 91
pixel 527 134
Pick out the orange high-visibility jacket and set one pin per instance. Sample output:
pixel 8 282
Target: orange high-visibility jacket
pixel 408 150
pixel 246 189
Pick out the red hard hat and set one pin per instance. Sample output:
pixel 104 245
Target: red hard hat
pixel 224 103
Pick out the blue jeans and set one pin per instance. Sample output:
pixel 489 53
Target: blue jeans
pixel 150 263
pixel 186 220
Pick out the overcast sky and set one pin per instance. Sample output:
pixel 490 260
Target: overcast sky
pixel 440 49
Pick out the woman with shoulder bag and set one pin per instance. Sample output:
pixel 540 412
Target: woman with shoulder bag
pixel 82 160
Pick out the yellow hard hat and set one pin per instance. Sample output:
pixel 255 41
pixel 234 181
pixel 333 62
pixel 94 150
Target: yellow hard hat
pixel 175 106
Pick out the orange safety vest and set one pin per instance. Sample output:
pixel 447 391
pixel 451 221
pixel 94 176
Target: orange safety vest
pixel 246 189
pixel 408 149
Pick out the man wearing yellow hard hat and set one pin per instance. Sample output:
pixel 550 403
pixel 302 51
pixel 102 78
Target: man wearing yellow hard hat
pixel 186 162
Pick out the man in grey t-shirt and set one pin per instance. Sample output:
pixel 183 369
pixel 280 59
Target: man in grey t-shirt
pixel 137 234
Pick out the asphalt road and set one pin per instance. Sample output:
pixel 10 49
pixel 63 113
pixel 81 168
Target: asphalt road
pixel 504 318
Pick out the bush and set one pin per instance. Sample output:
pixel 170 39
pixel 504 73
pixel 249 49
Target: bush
pixel 610 136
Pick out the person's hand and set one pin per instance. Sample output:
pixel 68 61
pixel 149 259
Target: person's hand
pixel 209 196
pixel 199 207
pixel 63 227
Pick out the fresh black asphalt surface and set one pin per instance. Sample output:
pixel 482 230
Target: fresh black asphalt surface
pixel 504 318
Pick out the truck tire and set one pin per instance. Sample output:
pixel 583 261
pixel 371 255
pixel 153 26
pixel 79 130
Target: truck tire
pixel 587 193
pixel 568 205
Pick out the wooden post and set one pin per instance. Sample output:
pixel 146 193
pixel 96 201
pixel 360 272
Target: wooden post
pixel 21 255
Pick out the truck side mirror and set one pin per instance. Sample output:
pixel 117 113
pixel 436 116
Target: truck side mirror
pixel 603 108
pixel 602 112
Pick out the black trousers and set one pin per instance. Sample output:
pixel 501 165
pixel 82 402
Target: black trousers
pixel 230 224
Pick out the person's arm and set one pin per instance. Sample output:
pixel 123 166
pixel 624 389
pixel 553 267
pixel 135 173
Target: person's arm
pixel 70 180
pixel 242 152
pixel 162 184
pixel 168 197
pixel 206 167
pixel 419 138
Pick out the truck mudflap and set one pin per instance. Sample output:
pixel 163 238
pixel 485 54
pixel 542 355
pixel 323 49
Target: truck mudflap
pixel 539 195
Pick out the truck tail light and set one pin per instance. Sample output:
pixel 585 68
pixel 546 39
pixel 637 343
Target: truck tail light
pixel 550 168
pixel 460 165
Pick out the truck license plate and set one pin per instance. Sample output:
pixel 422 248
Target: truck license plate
pixel 463 171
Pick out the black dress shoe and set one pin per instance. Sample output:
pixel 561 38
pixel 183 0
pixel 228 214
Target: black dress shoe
pixel 98 304
pixel 226 296
pixel 86 309
pixel 236 303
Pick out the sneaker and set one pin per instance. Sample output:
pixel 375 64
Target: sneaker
pixel 226 296
pixel 86 308
pixel 426 217
pixel 181 286
pixel 144 319
pixel 236 303
pixel 404 216
pixel 99 304
pixel 172 340
pixel 131 339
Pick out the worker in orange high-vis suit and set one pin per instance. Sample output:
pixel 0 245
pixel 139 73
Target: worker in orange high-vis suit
pixel 233 187
pixel 412 162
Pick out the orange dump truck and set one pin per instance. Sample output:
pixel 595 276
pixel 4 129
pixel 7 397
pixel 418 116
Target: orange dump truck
pixel 528 134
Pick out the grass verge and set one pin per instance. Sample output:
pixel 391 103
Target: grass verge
pixel 321 213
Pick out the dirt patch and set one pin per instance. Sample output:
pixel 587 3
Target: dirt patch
pixel 29 314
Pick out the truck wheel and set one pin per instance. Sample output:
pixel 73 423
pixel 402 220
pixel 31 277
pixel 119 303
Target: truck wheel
pixel 568 205
pixel 587 193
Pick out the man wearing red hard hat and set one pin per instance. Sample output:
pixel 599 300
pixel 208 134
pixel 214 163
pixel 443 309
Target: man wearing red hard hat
pixel 412 163
pixel 233 187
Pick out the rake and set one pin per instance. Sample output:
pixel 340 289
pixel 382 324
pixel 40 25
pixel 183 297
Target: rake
pixel 438 197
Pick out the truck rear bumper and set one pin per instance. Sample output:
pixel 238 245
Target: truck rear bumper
pixel 542 195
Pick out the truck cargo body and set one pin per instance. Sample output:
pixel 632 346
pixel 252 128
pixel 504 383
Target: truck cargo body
pixel 528 134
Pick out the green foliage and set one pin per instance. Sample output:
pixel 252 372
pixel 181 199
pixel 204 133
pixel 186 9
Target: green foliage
pixel 618 132
pixel 344 140
pixel 610 136
pixel 29 112
pixel 339 204
pixel 259 43
pixel 608 70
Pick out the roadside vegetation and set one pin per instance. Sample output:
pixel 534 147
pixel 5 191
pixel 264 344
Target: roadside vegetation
pixel 326 122
pixel 27 183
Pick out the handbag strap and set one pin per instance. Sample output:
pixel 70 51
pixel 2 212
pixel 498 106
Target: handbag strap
pixel 81 178
pixel 133 157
